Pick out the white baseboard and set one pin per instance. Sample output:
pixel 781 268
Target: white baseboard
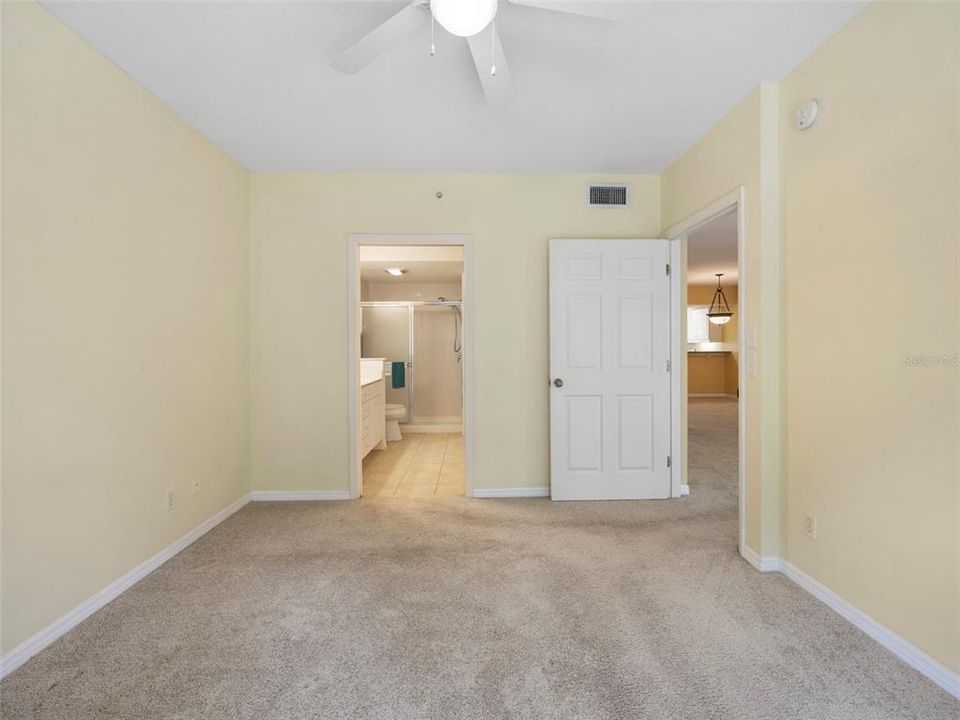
pixel 298 495
pixel 906 651
pixel 711 395
pixel 436 420
pixel 514 492
pixel 901 648
pixel 32 645
pixel 417 429
pixel 763 564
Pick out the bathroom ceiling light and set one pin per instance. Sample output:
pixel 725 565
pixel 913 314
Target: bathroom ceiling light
pixel 396 272
pixel 463 17
pixel 719 312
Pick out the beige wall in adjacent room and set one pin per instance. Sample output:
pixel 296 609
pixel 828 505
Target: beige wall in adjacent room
pixel 715 374
pixel 436 370
pixel 435 375
pixel 125 323
pixel 706 373
pixel 410 291
pixel 300 225
pixel 872 241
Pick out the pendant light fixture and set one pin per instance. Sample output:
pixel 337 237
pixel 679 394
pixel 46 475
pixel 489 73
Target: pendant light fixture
pixel 463 17
pixel 719 312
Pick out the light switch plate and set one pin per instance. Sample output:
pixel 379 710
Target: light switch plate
pixel 751 336
pixel 750 363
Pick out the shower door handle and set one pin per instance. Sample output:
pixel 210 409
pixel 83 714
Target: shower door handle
pixel 558 383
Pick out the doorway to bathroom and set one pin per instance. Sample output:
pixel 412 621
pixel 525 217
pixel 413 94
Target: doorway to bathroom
pixel 410 366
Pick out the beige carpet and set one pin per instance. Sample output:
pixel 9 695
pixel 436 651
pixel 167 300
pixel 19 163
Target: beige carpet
pixel 457 608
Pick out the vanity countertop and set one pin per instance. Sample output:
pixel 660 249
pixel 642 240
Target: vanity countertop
pixel 369 379
pixel 371 370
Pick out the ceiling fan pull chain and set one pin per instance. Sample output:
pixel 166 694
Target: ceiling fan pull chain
pixel 493 48
pixel 433 47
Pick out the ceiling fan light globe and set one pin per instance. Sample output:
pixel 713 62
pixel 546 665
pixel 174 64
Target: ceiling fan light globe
pixel 463 18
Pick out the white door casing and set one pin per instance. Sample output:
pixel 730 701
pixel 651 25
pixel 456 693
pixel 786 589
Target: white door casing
pixel 609 369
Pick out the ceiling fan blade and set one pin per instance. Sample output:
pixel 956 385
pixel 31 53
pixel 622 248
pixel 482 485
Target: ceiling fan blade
pixel 383 37
pixel 497 88
pixel 599 10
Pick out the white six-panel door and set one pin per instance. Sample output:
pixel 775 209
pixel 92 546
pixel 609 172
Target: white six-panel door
pixel 609 372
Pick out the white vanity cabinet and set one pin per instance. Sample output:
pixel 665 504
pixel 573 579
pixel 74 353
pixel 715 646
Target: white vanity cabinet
pixel 372 401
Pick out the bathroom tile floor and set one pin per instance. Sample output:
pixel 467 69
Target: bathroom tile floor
pixel 419 465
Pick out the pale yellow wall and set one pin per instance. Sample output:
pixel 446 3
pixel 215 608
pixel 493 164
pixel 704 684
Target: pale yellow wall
pixel 125 323
pixel 854 434
pixel 300 226
pixel 737 152
pixel 872 240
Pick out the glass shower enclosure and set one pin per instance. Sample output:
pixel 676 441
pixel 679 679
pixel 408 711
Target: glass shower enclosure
pixel 427 337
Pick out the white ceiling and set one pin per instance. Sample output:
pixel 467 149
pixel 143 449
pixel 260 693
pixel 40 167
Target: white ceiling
pixel 712 248
pixel 592 96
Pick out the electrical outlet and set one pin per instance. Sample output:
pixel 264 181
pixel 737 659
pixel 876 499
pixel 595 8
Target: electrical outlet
pixel 169 500
pixel 196 486
pixel 810 525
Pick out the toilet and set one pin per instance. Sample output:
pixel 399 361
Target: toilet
pixel 395 414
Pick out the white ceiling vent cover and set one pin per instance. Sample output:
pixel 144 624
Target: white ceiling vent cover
pixel 608 196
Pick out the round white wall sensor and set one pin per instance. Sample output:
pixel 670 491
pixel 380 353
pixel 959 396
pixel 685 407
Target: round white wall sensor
pixel 806 114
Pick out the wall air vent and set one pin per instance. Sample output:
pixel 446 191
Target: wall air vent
pixel 607 196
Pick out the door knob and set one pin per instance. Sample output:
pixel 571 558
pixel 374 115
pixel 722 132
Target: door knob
pixel 558 382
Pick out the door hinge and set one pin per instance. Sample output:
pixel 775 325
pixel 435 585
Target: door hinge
pixel 669 461
pixel 668 268
pixel 668 366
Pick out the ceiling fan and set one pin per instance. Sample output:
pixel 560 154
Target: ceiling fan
pixel 464 18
